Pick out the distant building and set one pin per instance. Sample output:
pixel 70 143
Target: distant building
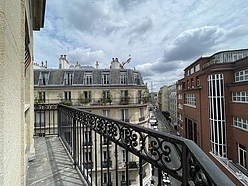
pixel 172 104
pixel 163 101
pixel 212 104
pixel 115 93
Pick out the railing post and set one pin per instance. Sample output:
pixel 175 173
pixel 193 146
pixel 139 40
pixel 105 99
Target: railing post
pixel 74 140
pixel 185 165
pixel 59 121
pixel 140 172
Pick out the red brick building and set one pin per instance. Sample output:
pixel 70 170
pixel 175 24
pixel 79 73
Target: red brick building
pixel 212 101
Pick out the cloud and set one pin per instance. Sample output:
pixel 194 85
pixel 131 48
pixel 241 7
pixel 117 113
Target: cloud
pixel 193 42
pixel 163 37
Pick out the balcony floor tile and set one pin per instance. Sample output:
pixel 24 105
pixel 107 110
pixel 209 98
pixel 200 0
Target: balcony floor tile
pixel 52 165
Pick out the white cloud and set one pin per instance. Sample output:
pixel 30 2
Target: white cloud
pixel 163 37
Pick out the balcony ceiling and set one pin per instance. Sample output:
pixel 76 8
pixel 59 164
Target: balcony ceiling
pixel 38 10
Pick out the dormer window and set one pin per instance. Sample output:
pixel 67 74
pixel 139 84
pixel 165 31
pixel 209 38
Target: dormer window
pixel 43 79
pixel 68 78
pixel 136 79
pixel 88 78
pixel 123 78
pixel 105 78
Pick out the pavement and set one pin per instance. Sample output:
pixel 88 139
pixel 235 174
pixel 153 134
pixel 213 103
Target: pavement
pixel 52 165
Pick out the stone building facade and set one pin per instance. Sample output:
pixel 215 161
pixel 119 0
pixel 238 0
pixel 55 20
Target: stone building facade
pixel 18 19
pixel 115 93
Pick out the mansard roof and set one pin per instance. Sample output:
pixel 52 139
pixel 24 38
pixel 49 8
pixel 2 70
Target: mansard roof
pixel 56 77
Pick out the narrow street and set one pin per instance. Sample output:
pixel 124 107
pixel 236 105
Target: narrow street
pixel 165 126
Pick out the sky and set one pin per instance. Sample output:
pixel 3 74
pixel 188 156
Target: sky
pixel 163 37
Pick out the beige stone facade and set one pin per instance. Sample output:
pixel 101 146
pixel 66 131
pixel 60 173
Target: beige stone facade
pixel 115 93
pixel 16 89
pixel 163 99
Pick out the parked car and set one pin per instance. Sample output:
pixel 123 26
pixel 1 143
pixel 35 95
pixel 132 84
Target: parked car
pixel 153 121
pixel 155 127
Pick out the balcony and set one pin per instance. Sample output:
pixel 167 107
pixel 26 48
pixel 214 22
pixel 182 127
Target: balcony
pixel 97 102
pixel 183 161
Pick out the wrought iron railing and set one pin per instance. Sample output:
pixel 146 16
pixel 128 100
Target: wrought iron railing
pixel 183 161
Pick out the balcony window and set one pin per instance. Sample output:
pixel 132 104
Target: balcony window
pixel 40 98
pixel 242 155
pixel 39 119
pixel 67 95
pixel 124 115
pixel 87 138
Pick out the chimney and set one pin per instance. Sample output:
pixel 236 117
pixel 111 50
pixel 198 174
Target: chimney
pixel 65 57
pixel 46 64
pixel 97 64
pixel 61 56
pixel 42 63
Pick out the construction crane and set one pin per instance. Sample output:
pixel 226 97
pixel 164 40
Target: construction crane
pixel 122 64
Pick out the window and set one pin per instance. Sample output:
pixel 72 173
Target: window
pixel 67 95
pixel 43 79
pixel 105 78
pixel 87 138
pixel 192 70
pixel 124 115
pixel 197 82
pixel 179 96
pixel 88 78
pixel 241 76
pixel 39 119
pixel 87 95
pixel 179 87
pixel 216 107
pixel 141 114
pixel 136 78
pixel 123 176
pixel 41 97
pixel 240 97
pixel 190 99
pixel 240 123
pixel 180 117
pixel 68 78
pixel 197 67
pixel 139 96
pixel 106 113
pixel 107 178
pixel 124 95
pixel 192 83
pixel 123 78
pixel 242 155
pixel 180 106
pixel 105 155
pixel 87 157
